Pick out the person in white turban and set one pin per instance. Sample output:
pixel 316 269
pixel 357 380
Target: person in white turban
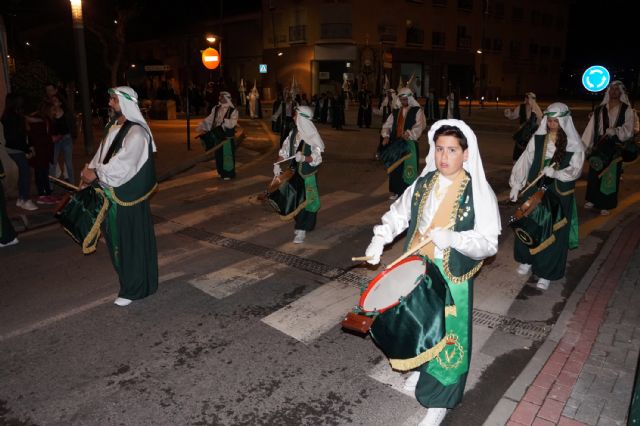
pixel 610 129
pixel 451 106
pixel 452 186
pixel 255 111
pixel 529 114
pixel 124 168
pixel 224 118
pixel 557 151
pixel 400 134
pixel 306 146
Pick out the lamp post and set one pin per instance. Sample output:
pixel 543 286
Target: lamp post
pixel 81 60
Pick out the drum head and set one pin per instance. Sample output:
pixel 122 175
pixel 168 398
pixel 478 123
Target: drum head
pixel 386 289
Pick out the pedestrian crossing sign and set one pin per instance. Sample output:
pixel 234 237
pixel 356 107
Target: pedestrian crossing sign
pixel 262 68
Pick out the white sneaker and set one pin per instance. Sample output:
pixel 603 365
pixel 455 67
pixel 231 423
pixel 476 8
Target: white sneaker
pixel 588 205
pixel 28 205
pixel 434 417
pixel 524 269
pixel 543 283
pixel 121 301
pixel 412 381
pixel 299 238
pixel 604 212
pixel 10 243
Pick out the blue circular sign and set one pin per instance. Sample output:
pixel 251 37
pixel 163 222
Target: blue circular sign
pixel 596 78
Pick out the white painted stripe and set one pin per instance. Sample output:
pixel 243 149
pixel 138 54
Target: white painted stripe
pixel 315 313
pixel 383 373
pixel 227 281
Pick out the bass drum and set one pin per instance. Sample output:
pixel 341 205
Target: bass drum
pixel 286 193
pixel 537 219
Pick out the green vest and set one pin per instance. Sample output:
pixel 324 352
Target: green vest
pixel 457 267
pixel 304 169
pixel 142 185
pixel 561 188
pixel 409 120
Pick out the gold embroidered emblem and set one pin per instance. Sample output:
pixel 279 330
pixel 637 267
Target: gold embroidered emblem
pixel 452 354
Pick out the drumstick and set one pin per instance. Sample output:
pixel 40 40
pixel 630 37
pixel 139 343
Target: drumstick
pixel 286 159
pixel 361 258
pixel 540 176
pixel 61 182
pixel 416 248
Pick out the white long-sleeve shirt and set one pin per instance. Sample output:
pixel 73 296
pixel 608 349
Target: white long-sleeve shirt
pixel 415 131
pixel 316 154
pixel 476 244
pixel 215 120
pixel 127 161
pixel 520 170
pixel 624 132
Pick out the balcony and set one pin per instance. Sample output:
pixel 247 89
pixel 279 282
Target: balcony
pixel 297 34
pixel 388 34
pixel 337 31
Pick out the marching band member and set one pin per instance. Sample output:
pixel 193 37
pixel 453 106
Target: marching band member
pixel 452 185
pixel 529 115
pixel 305 143
pixel 404 124
pixel 555 142
pixel 124 168
pixel 225 116
pixel 610 126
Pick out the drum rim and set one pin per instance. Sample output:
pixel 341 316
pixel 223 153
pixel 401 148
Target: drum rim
pixel 381 275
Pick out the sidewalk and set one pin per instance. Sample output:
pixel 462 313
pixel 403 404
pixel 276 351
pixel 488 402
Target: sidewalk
pixel 584 372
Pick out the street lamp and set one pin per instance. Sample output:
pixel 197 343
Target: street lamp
pixel 81 59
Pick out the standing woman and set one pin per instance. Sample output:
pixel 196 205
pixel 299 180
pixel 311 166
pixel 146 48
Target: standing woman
pixel 64 130
pixel 555 142
pixel 39 131
pixel 18 147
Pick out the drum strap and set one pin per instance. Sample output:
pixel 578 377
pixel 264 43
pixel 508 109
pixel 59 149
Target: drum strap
pixel 443 215
pixel 117 141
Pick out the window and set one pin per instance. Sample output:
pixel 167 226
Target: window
pixel 415 36
pixel 439 3
pixel 517 14
pixel 464 40
pixel 465 4
pixel 533 49
pixel 536 18
pixel 545 51
pixel 437 39
pixel 497 45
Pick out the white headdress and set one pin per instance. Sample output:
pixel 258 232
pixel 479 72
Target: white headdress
pixel 563 114
pixel 485 204
pixel 128 101
pixel 534 105
pixel 307 129
pixel 624 98
pixel 405 92
pixel 227 96
pixel 394 99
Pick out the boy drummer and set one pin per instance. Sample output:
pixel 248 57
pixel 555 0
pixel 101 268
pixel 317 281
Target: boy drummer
pixel 452 186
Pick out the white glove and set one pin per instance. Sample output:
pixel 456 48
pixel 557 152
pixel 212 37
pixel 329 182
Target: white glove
pixel 610 131
pixel 277 170
pixel 513 195
pixel 549 171
pixel 374 251
pixel 300 157
pixel 443 238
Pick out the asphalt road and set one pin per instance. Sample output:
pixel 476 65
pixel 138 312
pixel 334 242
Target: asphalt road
pixel 244 328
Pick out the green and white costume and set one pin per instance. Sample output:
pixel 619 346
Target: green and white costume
pixel 475 237
pixel 549 259
pixel 304 137
pixel 125 168
pixel 226 116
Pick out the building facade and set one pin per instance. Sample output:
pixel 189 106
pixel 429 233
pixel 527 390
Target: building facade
pixel 474 47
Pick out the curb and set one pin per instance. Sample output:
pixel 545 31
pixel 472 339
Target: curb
pixel 505 407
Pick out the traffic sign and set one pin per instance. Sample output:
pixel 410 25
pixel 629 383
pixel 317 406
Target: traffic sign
pixel 596 78
pixel 210 58
pixel 262 68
